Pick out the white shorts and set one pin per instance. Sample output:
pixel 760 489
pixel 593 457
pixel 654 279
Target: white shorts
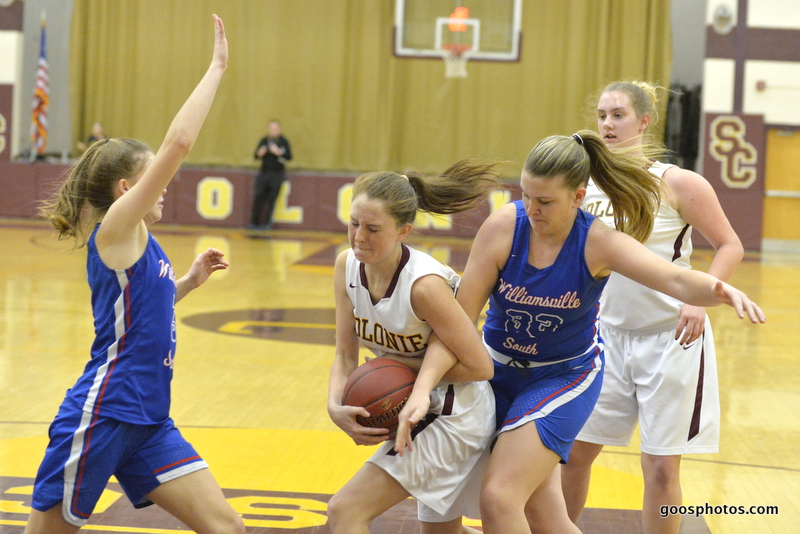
pixel 672 391
pixel 445 470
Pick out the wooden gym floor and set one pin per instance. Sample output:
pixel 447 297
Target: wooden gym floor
pixel 255 345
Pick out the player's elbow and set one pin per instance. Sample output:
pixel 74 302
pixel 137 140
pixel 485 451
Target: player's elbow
pixel 737 251
pixel 485 371
pixel 180 142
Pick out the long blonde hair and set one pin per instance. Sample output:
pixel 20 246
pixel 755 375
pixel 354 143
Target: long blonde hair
pixel 92 179
pixel 635 194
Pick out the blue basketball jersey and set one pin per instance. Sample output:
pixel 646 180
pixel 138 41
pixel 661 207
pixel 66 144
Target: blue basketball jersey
pixel 129 374
pixel 550 314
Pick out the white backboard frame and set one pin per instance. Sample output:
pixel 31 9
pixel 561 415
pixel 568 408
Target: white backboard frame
pixel 437 24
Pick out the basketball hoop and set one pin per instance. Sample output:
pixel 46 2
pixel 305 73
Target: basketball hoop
pixel 455 60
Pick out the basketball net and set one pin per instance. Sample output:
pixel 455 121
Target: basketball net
pixel 455 60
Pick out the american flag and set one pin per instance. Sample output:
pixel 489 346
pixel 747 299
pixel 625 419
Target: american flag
pixel 41 97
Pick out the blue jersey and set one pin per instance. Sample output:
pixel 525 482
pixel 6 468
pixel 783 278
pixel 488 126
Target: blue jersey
pixel 550 314
pixel 129 374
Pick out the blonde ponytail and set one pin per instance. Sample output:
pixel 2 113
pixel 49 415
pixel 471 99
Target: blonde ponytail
pixel 635 194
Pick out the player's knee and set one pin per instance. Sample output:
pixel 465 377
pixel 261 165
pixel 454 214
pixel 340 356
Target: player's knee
pixel 496 500
pixel 340 513
pixel 231 523
pixel 582 455
pixel 237 525
pixel 662 473
pixel 51 521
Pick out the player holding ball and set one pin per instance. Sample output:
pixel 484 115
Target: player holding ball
pixel 395 301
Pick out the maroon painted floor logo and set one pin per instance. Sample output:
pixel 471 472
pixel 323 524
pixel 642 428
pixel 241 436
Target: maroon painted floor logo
pixel 300 325
pixel 274 512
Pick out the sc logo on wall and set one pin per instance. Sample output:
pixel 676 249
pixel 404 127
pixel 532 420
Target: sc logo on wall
pixel 728 145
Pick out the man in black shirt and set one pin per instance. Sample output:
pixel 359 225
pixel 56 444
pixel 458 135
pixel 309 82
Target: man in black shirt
pixel 273 151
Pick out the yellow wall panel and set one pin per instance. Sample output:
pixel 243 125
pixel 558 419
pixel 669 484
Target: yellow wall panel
pixel 781 218
pixel 782 177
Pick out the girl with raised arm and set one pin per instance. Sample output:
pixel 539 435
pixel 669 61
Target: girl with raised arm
pixel 115 420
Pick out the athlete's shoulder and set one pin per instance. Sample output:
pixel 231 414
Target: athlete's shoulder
pixel 342 262
pixel 676 176
pixel 343 255
pixel 658 168
pixel 421 263
pixel 686 184
pixel 503 217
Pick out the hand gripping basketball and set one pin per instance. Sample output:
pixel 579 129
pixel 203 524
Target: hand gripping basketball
pixel 381 386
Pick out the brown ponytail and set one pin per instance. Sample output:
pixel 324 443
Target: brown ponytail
pixel 457 189
pixel 92 179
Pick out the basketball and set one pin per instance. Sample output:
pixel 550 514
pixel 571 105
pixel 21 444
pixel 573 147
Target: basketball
pixel 381 386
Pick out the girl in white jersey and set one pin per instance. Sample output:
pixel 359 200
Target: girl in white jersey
pixel 660 358
pixel 115 420
pixel 381 281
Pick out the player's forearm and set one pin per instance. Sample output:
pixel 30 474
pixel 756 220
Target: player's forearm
pixel 340 370
pixel 434 366
pixel 695 288
pixel 726 259
pixel 183 286
pixel 189 120
pixel 463 373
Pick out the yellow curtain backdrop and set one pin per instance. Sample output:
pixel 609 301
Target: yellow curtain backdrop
pixel 326 70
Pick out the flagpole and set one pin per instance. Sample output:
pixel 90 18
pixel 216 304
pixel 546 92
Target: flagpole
pixel 41 94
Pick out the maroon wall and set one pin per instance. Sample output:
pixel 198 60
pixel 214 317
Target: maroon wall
pixel 6 101
pixel 222 197
pixel 319 201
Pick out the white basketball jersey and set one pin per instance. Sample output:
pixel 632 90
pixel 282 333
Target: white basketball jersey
pixel 627 304
pixel 390 326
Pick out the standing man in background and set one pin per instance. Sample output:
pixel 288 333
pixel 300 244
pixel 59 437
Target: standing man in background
pixel 97 135
pixel 273 151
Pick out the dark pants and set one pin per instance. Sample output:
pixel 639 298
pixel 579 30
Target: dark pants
pixel 267 188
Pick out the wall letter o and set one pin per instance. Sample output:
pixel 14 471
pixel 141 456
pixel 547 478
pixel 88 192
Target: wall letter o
pixel 214 198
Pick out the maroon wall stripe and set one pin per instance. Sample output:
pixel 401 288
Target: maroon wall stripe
pixel 719 46
pixel 740 55
pixel 767 44
pixel 11 17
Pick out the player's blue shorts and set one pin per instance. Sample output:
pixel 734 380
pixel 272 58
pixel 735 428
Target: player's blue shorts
pixel 85 450
pixel 559 397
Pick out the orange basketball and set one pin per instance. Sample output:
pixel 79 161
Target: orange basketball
pixel 381 386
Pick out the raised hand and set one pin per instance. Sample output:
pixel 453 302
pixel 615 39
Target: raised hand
pixel 220 44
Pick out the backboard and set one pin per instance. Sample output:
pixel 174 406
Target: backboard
pixel 490 29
